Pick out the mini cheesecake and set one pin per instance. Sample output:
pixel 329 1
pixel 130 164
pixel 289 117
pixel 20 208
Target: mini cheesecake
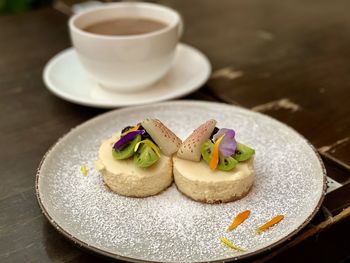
pixel 197 181
pixel 124 178
pixel 138 162
pixel 205 174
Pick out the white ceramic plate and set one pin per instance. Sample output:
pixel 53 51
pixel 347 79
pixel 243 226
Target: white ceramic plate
pixel 290 180
pixel 64 76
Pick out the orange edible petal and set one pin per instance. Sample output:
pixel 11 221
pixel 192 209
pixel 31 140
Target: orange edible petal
pixel 269 224
pixel 239 220
pixel 215 156
pixel 135 128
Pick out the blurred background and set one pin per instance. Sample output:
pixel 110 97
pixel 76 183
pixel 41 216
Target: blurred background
pixel 17 6
pixel 14 6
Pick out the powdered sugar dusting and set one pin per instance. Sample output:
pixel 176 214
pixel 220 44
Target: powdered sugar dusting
pixel 170 227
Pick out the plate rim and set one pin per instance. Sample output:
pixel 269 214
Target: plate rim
pixel 99 251
pixel 104 105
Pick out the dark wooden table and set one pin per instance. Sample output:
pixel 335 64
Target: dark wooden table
pixel 289 59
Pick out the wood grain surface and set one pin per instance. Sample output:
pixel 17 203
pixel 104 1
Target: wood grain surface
pixel 289 59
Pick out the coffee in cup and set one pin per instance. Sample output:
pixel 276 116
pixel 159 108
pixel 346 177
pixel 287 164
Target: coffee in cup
pixel 125 26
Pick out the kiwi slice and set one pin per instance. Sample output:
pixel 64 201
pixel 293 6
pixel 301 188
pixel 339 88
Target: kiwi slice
pixel 206 150
pixel 225 163
pixel 243 152
pixel 145 156
pixel 127 150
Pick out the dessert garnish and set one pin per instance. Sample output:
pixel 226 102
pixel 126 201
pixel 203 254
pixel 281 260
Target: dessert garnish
pixel 228 243
pixel 223 152
pixel 145 142
pixel 83 170
pixel 224 163
pixel 270 223
pixel 239 219
pixel 125 150
pixel 215 156
pixel 191 147
pixel 130 129
pixel 243 152
pixel 217 147
pixel 127 137
pixel 128 146
pixel 147 155
pixel 150 144
pixel 228 145
pixel 163 137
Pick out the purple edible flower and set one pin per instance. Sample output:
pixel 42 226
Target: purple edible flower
pixel 228 144
pixel 127 137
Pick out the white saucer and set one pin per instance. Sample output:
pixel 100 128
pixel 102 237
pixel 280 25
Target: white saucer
pixel 65 77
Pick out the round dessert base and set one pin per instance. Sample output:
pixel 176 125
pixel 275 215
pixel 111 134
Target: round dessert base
pixel 133 195
pixel 142 186
pixel 218 201
pixel 196 181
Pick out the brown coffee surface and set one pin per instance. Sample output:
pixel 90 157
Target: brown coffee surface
pixel 125 26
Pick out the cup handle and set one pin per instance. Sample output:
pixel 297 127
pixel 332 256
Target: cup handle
pixel 180 28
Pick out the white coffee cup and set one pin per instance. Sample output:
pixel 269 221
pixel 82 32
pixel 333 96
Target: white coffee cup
pixel 126 63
